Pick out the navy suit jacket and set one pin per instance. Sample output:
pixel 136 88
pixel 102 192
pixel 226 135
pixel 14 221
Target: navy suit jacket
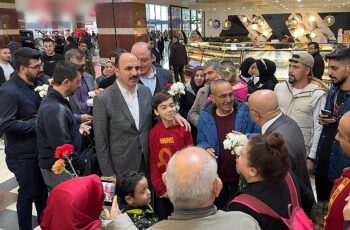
pixel 18 112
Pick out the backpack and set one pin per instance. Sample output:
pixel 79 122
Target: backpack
pixel 89 157
pixel 298 220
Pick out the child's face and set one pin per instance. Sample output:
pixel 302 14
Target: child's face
pixel 142 195
pixel 166 110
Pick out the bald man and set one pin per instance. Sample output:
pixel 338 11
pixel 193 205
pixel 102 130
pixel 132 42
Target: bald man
pixel 341 187
pixel 192 184
pixel 265 112
pixel 154 78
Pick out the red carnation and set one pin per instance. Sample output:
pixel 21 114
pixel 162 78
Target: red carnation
pixel 64 151
pixel 168 86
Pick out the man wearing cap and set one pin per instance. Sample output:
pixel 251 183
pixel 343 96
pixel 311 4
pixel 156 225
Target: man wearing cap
pixel 302 97
pixel 330 160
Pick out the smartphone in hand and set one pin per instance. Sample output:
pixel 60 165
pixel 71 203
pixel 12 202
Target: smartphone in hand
pixel 326 113
pixel 108 190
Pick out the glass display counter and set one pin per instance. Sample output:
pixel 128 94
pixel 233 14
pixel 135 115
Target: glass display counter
pixel 279 53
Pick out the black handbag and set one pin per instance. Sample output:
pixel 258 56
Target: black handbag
pixel 89 156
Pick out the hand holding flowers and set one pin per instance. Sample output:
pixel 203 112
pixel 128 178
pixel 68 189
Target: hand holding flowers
pixel 234 141
pixel 63 153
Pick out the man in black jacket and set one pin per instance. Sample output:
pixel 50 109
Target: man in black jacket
pixel 18 112
pixel 6 67
pixel 178 59
pixel 56 124
pixel 314 49
pixel 50 58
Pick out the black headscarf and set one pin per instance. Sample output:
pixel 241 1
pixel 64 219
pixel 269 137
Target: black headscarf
pixel 245 66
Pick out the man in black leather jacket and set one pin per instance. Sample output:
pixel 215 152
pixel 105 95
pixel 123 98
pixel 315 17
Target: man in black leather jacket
pixel 56 124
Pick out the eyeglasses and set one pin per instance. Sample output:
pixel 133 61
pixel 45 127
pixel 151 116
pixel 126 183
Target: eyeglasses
pixel 38 66
pixel 226 95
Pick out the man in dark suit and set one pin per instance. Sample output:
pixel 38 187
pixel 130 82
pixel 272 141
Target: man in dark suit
pixel 154 78
pixel 265 112
pixel 18 112
pixel 178 59
pixel 122 120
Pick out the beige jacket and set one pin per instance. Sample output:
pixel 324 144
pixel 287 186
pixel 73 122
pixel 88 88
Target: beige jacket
pixel 193 114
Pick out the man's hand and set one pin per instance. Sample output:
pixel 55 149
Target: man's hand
pixel 183 122
pixel 325 120
pixel 85 128
pixel 310 166
pixel 115 211
pixel 346 210
pixel 211 151
pixel 85 117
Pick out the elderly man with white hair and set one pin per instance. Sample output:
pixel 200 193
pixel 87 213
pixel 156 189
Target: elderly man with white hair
pixel 193 184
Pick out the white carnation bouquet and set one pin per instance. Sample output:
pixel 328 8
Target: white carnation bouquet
pixel 234 141
pixel 43 89
pixel 177 89
pixel 90 101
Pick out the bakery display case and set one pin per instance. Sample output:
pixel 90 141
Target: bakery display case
pixel 200 52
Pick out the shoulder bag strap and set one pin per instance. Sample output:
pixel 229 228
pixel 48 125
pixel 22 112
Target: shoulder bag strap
pixel 292 191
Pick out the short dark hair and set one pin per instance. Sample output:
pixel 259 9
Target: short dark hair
pixel 316 45
pixel 48 40
pixel 82 41
pixel 160 97
pixel 65 70
pixel 126 184
pixel 116 54
pixel 23 55
pixel 269 156
pixel 4 47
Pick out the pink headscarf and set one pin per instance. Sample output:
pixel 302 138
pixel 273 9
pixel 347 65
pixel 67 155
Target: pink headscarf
pixel 74 204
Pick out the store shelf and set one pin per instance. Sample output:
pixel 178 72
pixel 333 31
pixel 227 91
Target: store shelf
pixel 201 52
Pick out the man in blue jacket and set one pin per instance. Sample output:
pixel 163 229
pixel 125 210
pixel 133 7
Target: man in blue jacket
pixel 330 161
pixel 215 121
pixel 18 112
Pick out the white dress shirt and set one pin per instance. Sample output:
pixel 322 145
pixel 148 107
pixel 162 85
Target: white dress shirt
pixel 132 101
pixel 150 81
pixel 269 123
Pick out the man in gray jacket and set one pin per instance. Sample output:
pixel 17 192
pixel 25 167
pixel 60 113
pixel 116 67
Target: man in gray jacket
pixel 265 112
pixel 192 183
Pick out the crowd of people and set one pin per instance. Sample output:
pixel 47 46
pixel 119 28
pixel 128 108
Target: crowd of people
pixel 166 152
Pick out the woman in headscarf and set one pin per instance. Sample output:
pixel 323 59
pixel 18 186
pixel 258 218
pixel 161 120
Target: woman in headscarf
pixel 77 204
pixel 247 76
pixel 191 89
pixel 265 69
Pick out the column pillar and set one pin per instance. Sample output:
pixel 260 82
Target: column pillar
pixel 120 24
pixel 8 22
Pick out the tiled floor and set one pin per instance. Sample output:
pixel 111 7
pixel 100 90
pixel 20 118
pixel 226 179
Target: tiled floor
pixel 8 196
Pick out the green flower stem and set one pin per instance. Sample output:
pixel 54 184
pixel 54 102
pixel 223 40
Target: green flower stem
pixel 71 165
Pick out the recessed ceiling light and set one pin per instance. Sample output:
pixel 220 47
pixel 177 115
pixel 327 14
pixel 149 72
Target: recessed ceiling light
pixel 287 8
pixel 284 6
pixel 281 4
pixel 243 7
pixel 228 8
pixel 299 0
pixel 214 9
pixel 277 1
pixel 300 5
pixel 344 4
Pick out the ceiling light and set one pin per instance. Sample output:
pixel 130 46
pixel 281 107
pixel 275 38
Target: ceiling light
pixel 243 7
pixel 254 26
pixel 265 33
pixel 244 19
pixel 226 25
pixel 312 18
pixel 277 1
pixel 344 4
pixel 313 34
pixel 214 9
pixel 228 8
pixel 301 30
pixel 329 20
pixel 296 34
pixel 299 0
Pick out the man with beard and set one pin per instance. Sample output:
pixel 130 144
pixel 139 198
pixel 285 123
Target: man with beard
pixel 302 98
pixel 330 161
pixel 18 112
pixel 56 124
pixel 6 67
pixel 313 48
